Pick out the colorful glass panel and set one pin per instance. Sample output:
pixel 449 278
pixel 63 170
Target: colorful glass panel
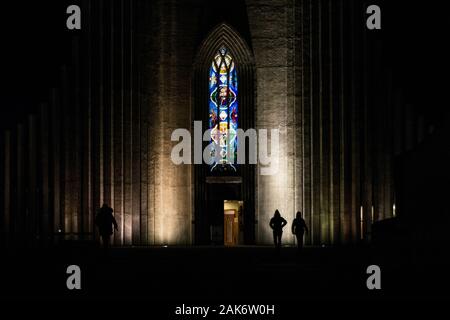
pixel 223 107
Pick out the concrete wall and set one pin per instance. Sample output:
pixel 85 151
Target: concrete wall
pixel 104 135
pixel 271 31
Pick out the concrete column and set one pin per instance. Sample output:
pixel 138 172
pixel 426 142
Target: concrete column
pixel 346 217
pixel 355 126
pixel 77 158
pixel 271 31
pixel 32 212
pixel 44 157
pixel 306 116
pixel 7 187
pixel 144 106
pixel 325 123
pixel 56 160
pixel 118 123
pixel 170 185
pixel 135 134
pixel 127 125
pixel 335 122
pixel 108 105
pixel 66 146
pixel 97 108
pixel 101 104
pixel 86 126
pixel 368 161
pixel 150 99
pixel 316 75
pixel 19 213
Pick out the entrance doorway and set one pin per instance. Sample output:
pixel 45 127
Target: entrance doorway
pixel 232 222
pixel 220 194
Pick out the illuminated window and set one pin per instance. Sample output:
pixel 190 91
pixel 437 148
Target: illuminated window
pixel 223 108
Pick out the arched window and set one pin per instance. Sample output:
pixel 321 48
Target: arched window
pixel 223 47
pixel 223 107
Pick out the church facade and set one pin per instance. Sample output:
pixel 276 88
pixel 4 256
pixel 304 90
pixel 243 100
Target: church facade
pixel 141 69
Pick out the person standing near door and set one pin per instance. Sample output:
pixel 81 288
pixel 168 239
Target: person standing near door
pixel 277 224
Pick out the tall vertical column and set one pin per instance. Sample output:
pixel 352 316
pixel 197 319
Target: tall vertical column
pixel 325 125
pixel 101 104
pixel 19 216
pixel 56 172
pixel 316 75
pixel 7 187
pixel 118 122
pixel 66 150
pixel 96 67
pixel 32 221
pixel 160 138
pixel 306 115
pixel 107 105
pixel 150 77
pixel 335 124
pixel 297 80
pixel 77 159
pixel 108 111
pixel 355 125
pixel 272 32
pixel 45 174
pixel 367 132
pixel 112 103
pixel 139 37
pixel 345 122
pixel 86 218
pixel 2 188
pixel 127 124
pixel 97 124
pixel 390 151
pixel 135 130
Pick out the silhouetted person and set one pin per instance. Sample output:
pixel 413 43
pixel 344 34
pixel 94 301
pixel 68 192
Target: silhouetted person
pixel 277 224
pixel 299 228
pixel 105 221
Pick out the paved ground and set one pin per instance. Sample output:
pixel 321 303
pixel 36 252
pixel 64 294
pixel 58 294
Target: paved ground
pixel 217 274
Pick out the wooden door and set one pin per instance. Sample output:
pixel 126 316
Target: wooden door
pixel 229 226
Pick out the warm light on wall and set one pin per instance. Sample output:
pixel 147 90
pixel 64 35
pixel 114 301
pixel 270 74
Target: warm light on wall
pixel 275 192
pixel 361 222
pixel 171 213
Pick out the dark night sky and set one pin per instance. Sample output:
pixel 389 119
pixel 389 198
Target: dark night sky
pixel 35 43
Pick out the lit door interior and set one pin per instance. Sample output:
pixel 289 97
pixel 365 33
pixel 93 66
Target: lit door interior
pixel 232 215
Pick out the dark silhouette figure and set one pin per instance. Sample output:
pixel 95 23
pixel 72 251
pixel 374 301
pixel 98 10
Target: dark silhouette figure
pixel 105 221
pixel 277 224
pixel 298 228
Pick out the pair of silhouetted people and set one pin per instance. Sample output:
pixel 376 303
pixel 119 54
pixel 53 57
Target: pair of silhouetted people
pixel 277 223
pixel 105 222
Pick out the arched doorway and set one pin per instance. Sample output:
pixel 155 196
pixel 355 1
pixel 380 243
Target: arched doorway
pixel 213 185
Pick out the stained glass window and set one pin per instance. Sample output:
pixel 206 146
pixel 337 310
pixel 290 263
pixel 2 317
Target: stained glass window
pixel 223 108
